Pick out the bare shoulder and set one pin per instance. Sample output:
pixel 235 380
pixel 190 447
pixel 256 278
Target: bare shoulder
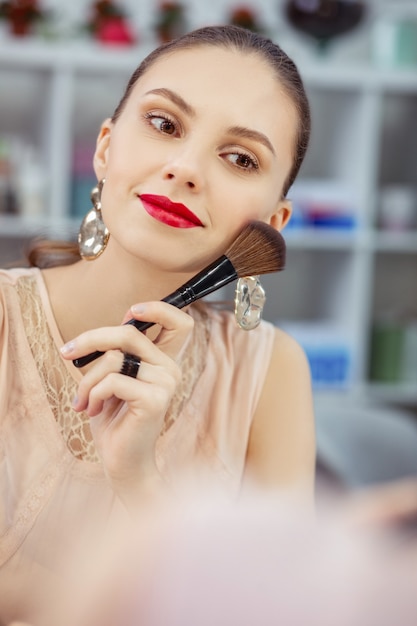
pixel 288 373
pixel 286 347
pixel 281 450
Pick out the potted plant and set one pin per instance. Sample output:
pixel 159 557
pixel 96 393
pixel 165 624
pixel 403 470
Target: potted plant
pixel 245 17
pixel 170 22
pixel 21 15
pixel 109 25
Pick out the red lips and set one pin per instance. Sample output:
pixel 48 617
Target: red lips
pixel 171 213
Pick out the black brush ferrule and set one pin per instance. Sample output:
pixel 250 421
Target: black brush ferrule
pixel 213 277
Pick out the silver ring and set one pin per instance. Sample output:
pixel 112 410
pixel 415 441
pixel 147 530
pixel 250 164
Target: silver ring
pixel 130 365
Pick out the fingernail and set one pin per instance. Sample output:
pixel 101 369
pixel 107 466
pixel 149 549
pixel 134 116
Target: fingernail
pixel 75 401
pixel 68 347
pixel 138 309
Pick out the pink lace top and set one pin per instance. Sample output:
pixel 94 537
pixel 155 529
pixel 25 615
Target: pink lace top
pixel 53 492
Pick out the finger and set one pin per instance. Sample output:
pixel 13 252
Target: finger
pixel 145 397
pixel 108 363
pixel 126 338
pixel 112 362
pixel 123 338
pixel 176 324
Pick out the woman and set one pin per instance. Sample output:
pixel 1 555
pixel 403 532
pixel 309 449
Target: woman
pixel 209 135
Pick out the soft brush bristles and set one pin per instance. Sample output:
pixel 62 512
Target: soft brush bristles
pixel 259 249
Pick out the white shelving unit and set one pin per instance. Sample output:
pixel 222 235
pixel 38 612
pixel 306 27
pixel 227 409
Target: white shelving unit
pixel 364 136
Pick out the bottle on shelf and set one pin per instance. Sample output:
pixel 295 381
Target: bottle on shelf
pixel 31 183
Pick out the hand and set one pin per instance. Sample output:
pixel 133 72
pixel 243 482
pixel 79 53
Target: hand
pixel 127 413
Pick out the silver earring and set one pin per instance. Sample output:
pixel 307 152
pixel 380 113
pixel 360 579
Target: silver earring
pixel 93 235
pixel 249 302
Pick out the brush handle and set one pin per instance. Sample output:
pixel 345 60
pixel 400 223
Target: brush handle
pixel 213 277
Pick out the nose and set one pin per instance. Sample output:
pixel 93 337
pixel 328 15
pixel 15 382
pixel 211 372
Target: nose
pixel 184 167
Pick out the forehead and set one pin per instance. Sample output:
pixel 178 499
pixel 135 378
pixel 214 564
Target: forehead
pixel 205 65
pixel 216 67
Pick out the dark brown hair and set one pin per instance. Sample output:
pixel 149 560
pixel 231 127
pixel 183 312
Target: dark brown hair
pixel 230 37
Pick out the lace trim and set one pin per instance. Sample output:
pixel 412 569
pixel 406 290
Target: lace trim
pixel 60 387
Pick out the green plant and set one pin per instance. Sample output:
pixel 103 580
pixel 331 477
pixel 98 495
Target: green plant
pixel 170 21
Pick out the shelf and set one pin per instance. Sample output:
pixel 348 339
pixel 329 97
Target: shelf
pixel 78 54
pixel 404 393
pixel 315 239
pixel 396 242
pixel 87 55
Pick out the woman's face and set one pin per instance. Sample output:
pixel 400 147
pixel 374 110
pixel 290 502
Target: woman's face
pixel 209 128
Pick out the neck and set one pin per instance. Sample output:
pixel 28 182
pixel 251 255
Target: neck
pixel 90 294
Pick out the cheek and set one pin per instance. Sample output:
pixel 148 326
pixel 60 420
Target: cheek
pixel 123 154
pixel 261 202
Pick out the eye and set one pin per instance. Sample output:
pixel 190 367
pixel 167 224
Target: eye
pixel 163 123
pixel 242 160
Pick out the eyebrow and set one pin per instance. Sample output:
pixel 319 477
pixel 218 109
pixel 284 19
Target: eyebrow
pixel 239 131
pixel 248 133
pixel 175 98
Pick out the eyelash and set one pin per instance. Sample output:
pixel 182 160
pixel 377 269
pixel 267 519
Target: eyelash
pixel 151 116
pixel 254 165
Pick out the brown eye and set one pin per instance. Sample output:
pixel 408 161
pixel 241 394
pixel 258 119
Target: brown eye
pixel 163 124
pixel 166 126
pixel 243 161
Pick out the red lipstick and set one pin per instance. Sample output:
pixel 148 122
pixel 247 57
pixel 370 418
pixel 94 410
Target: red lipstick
pixel 171 213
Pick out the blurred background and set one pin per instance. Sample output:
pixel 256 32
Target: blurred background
pixel 349 293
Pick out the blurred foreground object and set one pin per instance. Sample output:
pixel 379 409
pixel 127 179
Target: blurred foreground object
pixel 255 563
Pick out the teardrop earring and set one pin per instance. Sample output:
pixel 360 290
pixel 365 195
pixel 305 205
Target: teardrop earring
pixel 249 302
pixel 93 235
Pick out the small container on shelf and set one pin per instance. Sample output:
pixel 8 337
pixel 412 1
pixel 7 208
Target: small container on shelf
pixel 323 204
pixel 8 200
pixel 329 351
pixel 23 180
pixel 409 360
pixel 398 208
pixel 83 179
pixel 387 342
pixel 31 183
pixel 393 356
pixel 394 36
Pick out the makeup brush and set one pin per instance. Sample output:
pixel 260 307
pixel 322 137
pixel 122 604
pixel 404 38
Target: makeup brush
pixel 258 249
